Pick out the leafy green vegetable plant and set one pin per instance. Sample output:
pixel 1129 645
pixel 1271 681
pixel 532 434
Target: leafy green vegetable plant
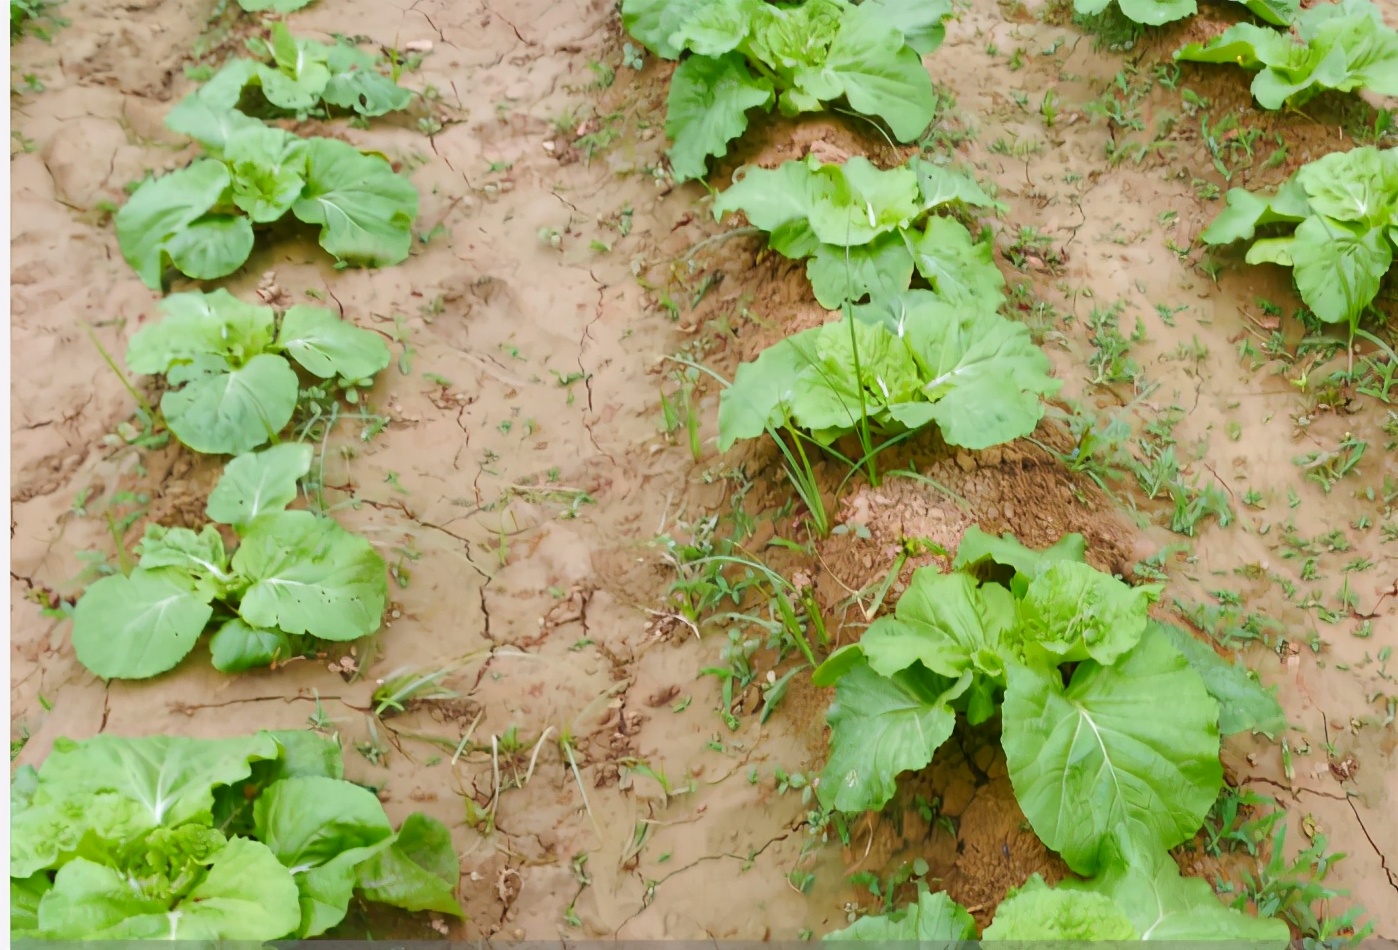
pixel 229 365
pixel 1080 673
pixel 1342 211
pixel 299 77
pixel 1158 12
pixel 864 231
pixel 294 578
pixel 1140 896
pixel 749 54
pixel 896 367
pixel 200 219
pixel 253 838
pixel 956 645
pixel 1344 46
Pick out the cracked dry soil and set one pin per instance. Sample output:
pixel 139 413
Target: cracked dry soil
pixel 527 376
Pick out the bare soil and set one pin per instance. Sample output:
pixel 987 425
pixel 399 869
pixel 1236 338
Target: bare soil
pixel 524 473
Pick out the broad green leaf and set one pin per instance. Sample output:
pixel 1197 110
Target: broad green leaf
pixel 1244 704
pixel 355 83
pixel 25 895
pixel 862 202
pixel 305 753
pixel 310 576
pixel 1355 186
pixel 985 376
pixel 49 834
pixel 1157 12
pixel 236 647
pixel 308 821
pixel 171 777
pixel 257 483
pixel 935 918
pixel 1099 753
pixel 299 75
pixel 419 871
pixel 220 410
pixel 164 208
pixel 946 623
pixel 197 324
pixel 879 75
pixel 1245 212
pixel 977 547
pixel 88 899
pixel 1244 44
pixel 920 21
pixel 939 186
pixel 321 828
pixel 269 171
pixel 707 108
pixel 1146 884
pixel 1273 251
pixel 214 246
pixel 881 269
pixel 962 270
pixel 208 115
pixel 327 346
pixel 1276 12
pixel 199 554
pixel 1039 913
pixel 653 22
pixel 365 210
pixel 1075 613
pixel 1337 270
pixel 760 390
pixel 779 201
pixel 881 727
pixel 133 627
pixel 244 895
pixel 717 27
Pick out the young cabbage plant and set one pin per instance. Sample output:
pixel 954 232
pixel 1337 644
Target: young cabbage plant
pixel 894 368
pixel 229 365
pixel 247 839
pixel 750 54
pixel 1341 212
pixel 960 645
pixel 300 77
pixel 865 231
pixel 1343 46
pixel 293 579
pixel 200 219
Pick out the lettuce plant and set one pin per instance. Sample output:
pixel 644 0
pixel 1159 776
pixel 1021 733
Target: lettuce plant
pixel 1141 895
pixel 749 54
pixel 201 218
pixel 899 366
pixel 295 577
pixel 1158 12
pixel 302 76
pixel 863 231
pixel 1088 753
pixel 254 838
pixel 229 365
pixel 1343 46
pixel 1342 214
